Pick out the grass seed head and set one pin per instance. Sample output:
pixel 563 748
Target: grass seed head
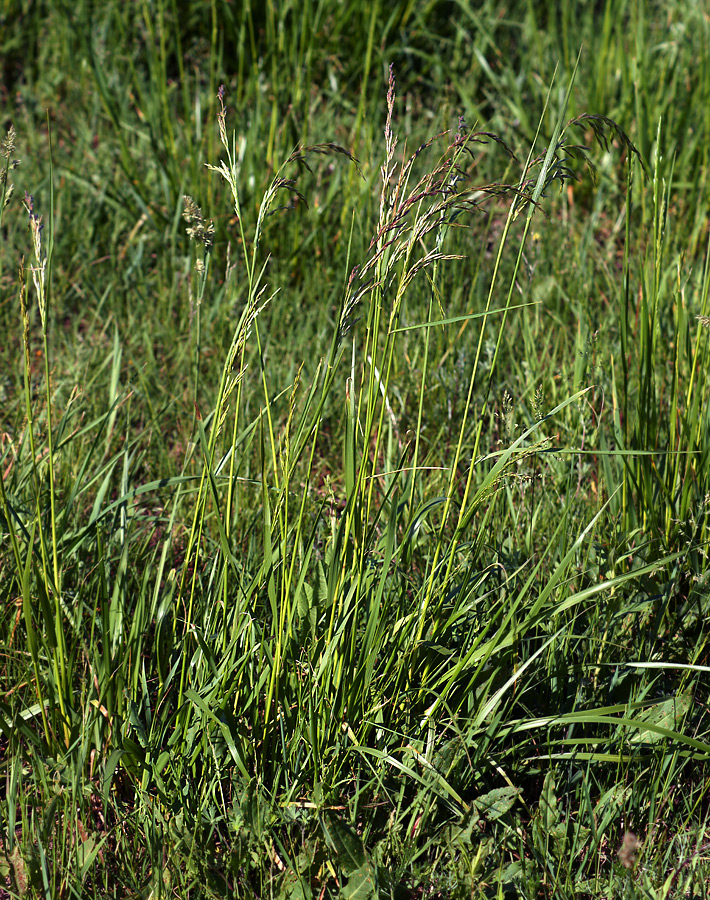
pixel 627 852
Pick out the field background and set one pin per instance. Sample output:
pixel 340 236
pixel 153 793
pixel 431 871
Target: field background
pixel 354 518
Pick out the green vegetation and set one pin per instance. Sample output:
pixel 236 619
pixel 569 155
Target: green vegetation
pixel 355 448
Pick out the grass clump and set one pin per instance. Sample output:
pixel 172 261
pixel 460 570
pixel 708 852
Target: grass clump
pixel 353 508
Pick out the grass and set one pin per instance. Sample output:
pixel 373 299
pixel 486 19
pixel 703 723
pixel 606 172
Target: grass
pixel 354 450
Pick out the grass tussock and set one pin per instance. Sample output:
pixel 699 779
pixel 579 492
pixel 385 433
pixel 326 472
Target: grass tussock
pixel 353 508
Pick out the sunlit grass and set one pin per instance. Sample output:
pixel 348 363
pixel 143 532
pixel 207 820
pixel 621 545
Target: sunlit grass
pixel 354 453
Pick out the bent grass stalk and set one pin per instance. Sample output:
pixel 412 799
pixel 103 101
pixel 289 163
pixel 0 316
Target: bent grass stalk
pixel 513 211
pixel 50 579
pixel 279 478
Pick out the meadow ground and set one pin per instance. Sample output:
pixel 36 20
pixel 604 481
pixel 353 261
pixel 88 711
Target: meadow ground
pixel 354 439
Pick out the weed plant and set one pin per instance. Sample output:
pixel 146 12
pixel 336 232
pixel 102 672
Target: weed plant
pixel 354 507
